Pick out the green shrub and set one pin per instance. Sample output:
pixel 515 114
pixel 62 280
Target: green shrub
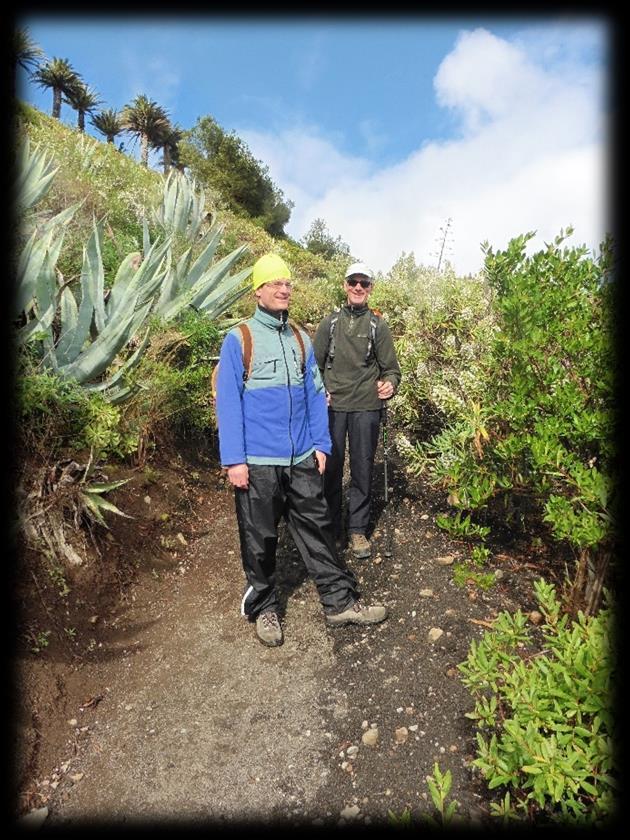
pixel 57 415
pixel 531 418
pixel 544 716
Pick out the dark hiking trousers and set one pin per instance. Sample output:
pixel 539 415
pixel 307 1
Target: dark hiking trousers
pixel 361 429
pixel 296 493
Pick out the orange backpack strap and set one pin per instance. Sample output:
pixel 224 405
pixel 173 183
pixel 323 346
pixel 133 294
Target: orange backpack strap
pixel 246 335
pixel 297 332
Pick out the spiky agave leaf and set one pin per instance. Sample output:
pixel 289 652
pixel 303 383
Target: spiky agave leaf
pixel 35 175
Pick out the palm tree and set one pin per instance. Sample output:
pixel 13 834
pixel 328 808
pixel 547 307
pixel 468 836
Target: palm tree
pixel 108 123
pixel 59 75
pixel 84 100
pixel 27 54
pixel 168 141
pixel 147 121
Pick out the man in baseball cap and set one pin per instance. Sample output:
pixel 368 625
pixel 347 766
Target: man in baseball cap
pixel 356 357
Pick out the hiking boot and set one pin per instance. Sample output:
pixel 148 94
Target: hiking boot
pixel 268 629
pixel 360 546
pixel 356 613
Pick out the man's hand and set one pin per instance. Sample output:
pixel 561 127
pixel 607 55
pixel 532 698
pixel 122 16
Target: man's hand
pixel 238 475
pixel 385 389
pixel 321 461
pixel 328 398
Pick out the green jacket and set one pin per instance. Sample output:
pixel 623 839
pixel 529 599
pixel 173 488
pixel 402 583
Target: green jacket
pixel 350 377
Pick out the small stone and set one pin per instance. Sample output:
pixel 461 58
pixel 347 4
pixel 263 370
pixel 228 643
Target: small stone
pixel 377 561
pixel 182 538
pixel 147 500
pixel 370 737
pixel 445 559
pixel 426 593
pixel 76 777
pixel 499 574
pixel 413 727
pixel 535 617
pixel 73 722
pixel 435 633
pixel 34 818
pixel 424 516
pixel 352 751
pixel 93 619
pixel 350 812
pixel 365 724
pixel 401 735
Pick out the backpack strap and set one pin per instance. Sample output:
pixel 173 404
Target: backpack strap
pixel 297 334
pixel 246 336
pixel 246 341
pixel 330 352
pixel 371 348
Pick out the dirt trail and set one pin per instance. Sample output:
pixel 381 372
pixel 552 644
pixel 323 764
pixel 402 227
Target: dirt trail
pixel 186 717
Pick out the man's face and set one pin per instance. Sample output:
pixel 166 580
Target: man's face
pixel 274 296
pixel 358 288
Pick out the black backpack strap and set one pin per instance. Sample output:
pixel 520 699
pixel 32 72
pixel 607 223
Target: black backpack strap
pixel 371 348
pixel 330 352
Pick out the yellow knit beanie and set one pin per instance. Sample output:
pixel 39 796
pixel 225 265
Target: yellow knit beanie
pixel 268 268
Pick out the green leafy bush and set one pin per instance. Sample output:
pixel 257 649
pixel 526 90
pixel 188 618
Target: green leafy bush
pixel 532 420
pixel 57 415
pixel 544 714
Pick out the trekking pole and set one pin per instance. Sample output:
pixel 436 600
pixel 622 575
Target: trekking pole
pixel 387 530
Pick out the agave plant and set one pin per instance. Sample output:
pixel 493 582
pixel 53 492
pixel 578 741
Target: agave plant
pixel 35 173
pixel 36 298
pixel 182 207
pixel 200 283
pixel 79 354
pixel 82 338
pixel 62 496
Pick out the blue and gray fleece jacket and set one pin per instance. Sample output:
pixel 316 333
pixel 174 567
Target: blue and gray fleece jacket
pixel 279 415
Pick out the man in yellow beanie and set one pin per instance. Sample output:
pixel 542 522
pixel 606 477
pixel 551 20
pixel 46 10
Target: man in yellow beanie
pixel 273 439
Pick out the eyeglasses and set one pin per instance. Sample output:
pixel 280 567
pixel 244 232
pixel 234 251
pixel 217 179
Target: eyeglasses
pixel 365 284
pixel 278 284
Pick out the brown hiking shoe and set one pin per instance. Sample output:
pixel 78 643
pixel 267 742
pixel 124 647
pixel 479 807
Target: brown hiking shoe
pixel 268 629
pixel 360 546
pixel 356 613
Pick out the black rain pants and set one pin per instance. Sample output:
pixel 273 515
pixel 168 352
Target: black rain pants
pixel 295 492
pixel 361 429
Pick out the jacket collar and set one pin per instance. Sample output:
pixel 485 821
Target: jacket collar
pixel 275 320
pixel 355 310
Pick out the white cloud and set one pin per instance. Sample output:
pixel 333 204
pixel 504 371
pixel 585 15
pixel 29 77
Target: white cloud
pixel 529 155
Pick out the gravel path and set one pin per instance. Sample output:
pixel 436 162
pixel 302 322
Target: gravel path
pixel 188 718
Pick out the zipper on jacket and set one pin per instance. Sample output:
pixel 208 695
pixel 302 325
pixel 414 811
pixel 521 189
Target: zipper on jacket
pixel 286 365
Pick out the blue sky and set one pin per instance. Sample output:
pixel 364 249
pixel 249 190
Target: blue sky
pixel 384 127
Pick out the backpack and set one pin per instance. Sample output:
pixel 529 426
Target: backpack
pixel 330 352
pixel 248 354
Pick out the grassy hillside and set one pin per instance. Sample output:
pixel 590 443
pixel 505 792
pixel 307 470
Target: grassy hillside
pixel 116 187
